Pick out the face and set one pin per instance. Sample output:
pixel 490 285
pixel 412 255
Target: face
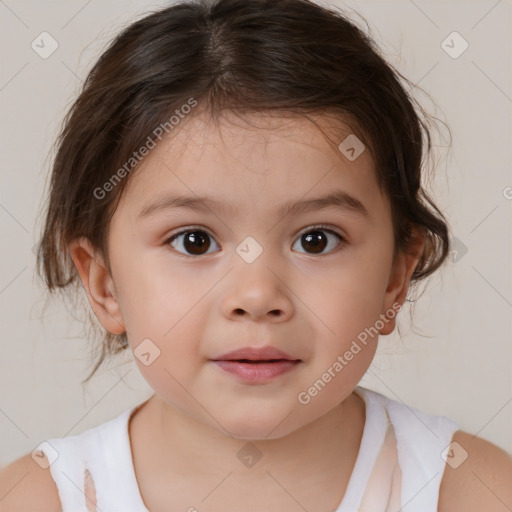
pixel 239 270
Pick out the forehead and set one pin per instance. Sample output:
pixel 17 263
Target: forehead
pixel 252 161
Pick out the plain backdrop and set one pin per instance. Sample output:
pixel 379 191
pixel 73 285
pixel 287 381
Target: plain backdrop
pixel 454 360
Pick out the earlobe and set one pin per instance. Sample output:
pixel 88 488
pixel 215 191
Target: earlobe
pixel 399 280
pixel 98 284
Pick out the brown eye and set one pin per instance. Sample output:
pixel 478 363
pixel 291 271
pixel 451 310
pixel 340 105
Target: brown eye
pixel 315 241
pixel 194 243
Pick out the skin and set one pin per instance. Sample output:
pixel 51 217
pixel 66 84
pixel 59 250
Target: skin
pixel 197 307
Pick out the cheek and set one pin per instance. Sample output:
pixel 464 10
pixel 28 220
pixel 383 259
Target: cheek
pixel 347 300
pixel 166 342
pixel 159 303
pixel 345 306
pixel 153 296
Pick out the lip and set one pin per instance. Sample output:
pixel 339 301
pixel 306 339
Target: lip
pixel 257 372
pixel 256 364
pixel 255 354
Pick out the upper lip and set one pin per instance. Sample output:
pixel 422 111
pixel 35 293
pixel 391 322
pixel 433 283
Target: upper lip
pixel 255 354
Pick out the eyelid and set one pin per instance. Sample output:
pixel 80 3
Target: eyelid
pixel 326 227
pixel 306 229
pixel 186 229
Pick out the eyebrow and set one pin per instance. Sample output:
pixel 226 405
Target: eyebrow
pixel 338 199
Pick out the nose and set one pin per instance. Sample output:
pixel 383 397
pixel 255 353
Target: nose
pixel 257 293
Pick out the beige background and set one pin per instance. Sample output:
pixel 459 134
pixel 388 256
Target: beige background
pixel 455 360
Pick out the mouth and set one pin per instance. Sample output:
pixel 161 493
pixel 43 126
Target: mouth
pixel 256 365
pixel 252 371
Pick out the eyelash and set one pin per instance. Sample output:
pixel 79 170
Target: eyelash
pixel 317 227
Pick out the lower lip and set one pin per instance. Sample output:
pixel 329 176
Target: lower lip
pixel 257 372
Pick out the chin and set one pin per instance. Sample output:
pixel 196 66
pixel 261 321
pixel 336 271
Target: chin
pixel 256 425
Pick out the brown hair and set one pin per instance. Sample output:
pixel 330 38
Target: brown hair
pixel 239 55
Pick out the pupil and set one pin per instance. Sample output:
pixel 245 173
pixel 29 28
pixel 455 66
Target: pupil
pixel 194 240
pixel 316 239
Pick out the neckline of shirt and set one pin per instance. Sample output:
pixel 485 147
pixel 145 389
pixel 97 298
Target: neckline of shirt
pixel 371 440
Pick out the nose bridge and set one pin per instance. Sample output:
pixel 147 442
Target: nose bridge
pixel 256 287
pixel 259 255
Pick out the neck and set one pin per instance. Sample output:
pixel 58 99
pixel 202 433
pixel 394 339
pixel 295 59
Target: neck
pixel 169 446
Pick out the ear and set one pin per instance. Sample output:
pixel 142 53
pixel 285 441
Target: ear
pixel 399 280
pixel 98 284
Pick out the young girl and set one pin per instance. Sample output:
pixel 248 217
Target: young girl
pixel 237 188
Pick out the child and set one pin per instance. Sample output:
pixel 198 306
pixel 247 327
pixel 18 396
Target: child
pixel 254 128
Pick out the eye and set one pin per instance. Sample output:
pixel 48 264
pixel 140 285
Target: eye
pixel 195 241
pixel 315 240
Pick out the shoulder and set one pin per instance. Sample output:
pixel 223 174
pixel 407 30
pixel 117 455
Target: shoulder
pixel 479 476
pixel 25 485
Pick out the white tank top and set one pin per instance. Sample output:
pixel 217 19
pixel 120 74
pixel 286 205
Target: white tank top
pixel 399 465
